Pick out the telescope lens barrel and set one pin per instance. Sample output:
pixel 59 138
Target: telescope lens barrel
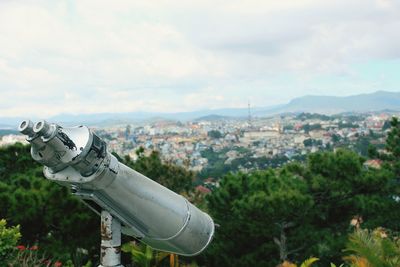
pixel 43 128
pixel 26 127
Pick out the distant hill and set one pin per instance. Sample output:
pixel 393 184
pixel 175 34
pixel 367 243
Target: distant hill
pixel 378 101
pixel 7 123
pixel 213 117
pixel 6 132
pixel 103 119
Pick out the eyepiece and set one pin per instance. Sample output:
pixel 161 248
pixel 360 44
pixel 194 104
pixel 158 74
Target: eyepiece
pixel 26 127
pixel 42 128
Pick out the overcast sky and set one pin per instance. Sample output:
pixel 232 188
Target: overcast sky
pixel 92 56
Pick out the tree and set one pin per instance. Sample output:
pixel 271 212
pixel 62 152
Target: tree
pixel 144 256
pixel 288 127
pixel 312 142
pixel 335 138
pixel 298 210
pixel 9 237
pixel 377 248
pixel 214 134
pixel 363 146
pixel 249 209
pixel 347 125
pixel 393 139
pixel 311 127
pixel 307 263
pixel 176 178
pixel 307 142
pixel 392 157
pixel 307 116
pixel 372 151
pixel 47 213
pixel 386 125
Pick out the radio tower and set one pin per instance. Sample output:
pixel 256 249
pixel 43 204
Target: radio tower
pixel 249 113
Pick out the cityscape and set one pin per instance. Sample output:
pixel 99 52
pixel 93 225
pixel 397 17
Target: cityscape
pixel 214 145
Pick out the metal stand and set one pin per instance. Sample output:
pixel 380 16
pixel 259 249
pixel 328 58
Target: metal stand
pixel 110 253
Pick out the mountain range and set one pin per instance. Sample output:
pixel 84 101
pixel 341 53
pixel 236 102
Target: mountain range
pixel 378 101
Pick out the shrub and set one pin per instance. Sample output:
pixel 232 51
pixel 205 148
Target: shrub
pixel 9 237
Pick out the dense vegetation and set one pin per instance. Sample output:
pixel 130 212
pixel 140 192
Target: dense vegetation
pixel 270 216
pixel 218 167
pixel 50 216
pixel 214 134
pixel 274 215
pixel 313 116
pixel 266 217
pixel 47 213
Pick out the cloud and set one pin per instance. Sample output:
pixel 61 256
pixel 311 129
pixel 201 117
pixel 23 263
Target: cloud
pixel 98 56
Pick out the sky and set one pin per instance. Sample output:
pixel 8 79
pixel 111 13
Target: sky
pixel 94 56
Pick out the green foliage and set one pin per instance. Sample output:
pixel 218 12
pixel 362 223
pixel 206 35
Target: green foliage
pixel 9 237
pixel 351 118
pixel 372 152
pixel 29 258
pixel 47 212
pixel 311 127
pixel 141 254
pixel 248 207
pixel 393 148
pixel 214 134
pixel 312 142
pixel 363 146
pixel 298 210
pixel 69 263
pixel 386 125
pixel 334 265
pixel 35 257
pixel 312 116
pixel 176 178
pixel 393 139
pixel 288 127
pixel 377 248
pixel 50 216
pixel 347 125
pixel 144 256
pixel 335 138
pixel 309 262
pixel 217 167
pixel 216 163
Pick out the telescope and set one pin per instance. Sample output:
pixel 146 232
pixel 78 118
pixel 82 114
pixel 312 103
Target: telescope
pixel 126 200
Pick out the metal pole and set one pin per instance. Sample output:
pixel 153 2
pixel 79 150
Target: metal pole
pixel 110 253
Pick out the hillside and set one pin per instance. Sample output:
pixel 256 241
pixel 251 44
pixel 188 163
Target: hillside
pixel 378 101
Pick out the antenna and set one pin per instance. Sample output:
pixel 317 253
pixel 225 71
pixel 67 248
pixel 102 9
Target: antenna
pixel 249 113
